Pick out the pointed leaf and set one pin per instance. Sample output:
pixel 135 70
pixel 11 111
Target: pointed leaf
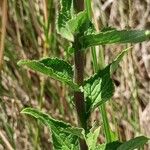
pixel 64 15
pixel 63 134
pixel 77 21
pixel 132 144
pixel 50 122
pixel 66 33
pixel 114 36
pixel 91 139
pixel 129 145
pixel 117 60
pixel 52 67
pixel 98 89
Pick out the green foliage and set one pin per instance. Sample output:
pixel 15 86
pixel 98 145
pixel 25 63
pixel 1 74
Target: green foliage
pixel 53 67
pixel 98 89
pixel 77 22
pixel 63 134
pixel 65 14
pixel 92 137
pixel 132 144
pixel 114 36
pixel 109 146
pixel 117 60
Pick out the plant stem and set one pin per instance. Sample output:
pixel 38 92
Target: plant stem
pixel 102 108
pixel 78 76
pixel 79 96
pixel 79 5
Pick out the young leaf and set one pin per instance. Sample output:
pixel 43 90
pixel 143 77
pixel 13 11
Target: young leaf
pixel 115 36
pixel 64 15
pixel 116 61
pixel 52 67
pixel 91 139
pixel 63 134
pixel 133 143
pixel 98 89
pixel 77 21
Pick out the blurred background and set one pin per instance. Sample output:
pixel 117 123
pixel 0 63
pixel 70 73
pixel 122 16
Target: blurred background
pixel 27 31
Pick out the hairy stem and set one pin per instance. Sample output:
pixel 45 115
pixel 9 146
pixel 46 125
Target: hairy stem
pixel 78 76
pixel 79 96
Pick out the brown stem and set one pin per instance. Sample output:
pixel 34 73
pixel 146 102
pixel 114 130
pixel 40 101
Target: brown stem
pixel 78 74
pixel 79 5
pixel 79 96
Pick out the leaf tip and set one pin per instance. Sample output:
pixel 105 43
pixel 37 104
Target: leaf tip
pixel 25 110
pixel 21 62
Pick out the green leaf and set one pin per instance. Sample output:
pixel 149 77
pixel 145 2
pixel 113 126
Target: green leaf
pixel 63 141
pixel 117 60
pixel 91 139
pixel 52 67
pixel 66 33
pixel 129 145
pixel 115 36
pixel 109 146
pixel 65 14
pixel 98 89
pixel 76 23
pixel 107 28
pixel 89 29
pixel 133 143
pixel 63 134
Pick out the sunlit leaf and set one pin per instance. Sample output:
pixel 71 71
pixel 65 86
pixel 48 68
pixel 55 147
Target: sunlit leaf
pixel 91 138
pixel 77 21
pixel 65 14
